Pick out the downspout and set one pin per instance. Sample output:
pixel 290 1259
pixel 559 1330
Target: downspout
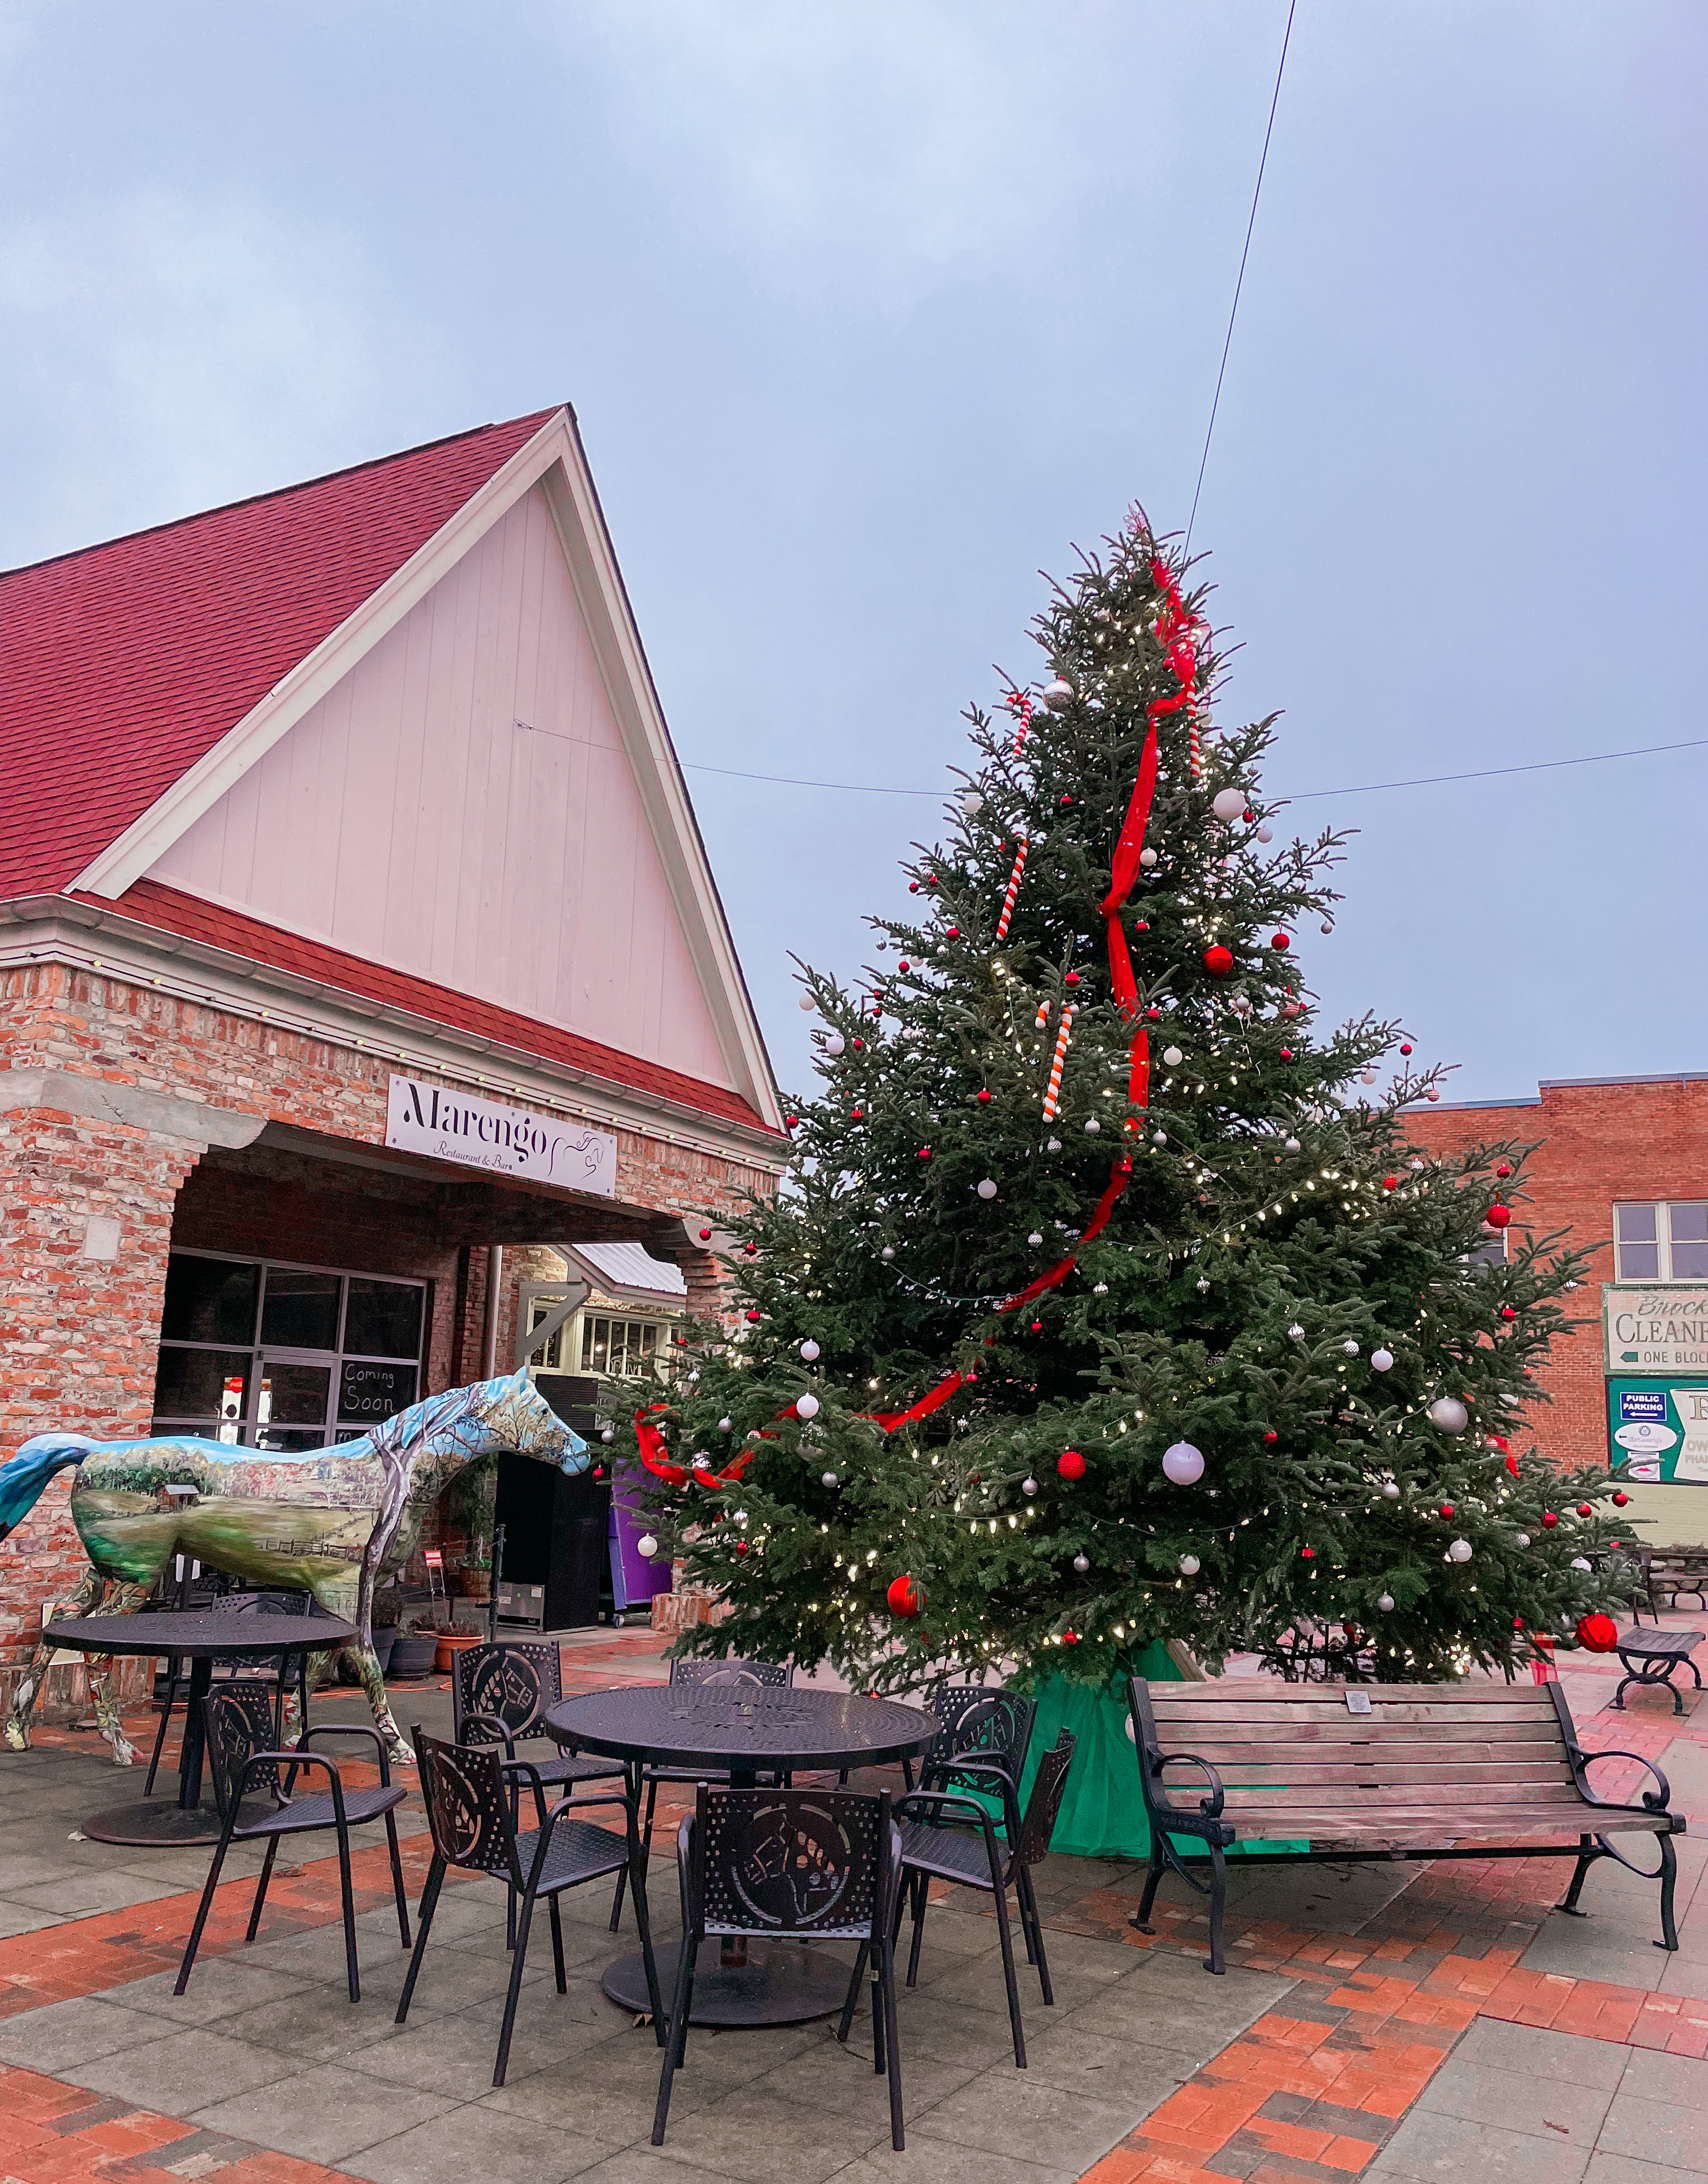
pixel 495 1281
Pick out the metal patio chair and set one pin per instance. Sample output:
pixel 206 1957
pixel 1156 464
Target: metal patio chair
pixel 935 1846
pixel 988 1732
pixel 806 1864
pixel 466 1790
pixel 280 1670
pixel 241 1758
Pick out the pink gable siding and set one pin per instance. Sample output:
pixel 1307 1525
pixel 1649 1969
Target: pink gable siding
pixel 461 807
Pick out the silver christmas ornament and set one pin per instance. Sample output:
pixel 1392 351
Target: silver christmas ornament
pixel 1082 1563
pixel 1029 1486
pixel 888 1251
pixel 1382 1359
pixel 1350 1347
pixel 806 1407
pixel 1384 1602
pixel 809 1350
pixel 1390 1490
pixel 1296 1332
pixel 646 1545
pixel 1521 1539
pixel 1291 1146
pixel 1183 1463
pixel 1189 1565
pixel 1147 858
pixel 827 1478
pixel 1058 692
pixel 1100 1289
pixel 987 1189
pixel 1172 1057
pixel 1054 1146
pixel 1450 1414
pixel 1460 1551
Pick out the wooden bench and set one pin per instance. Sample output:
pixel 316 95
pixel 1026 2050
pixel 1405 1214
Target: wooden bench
pixel 1673 1570
pixel 1358 1772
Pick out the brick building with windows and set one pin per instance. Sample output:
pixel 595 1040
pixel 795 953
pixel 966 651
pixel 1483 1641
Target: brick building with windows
pixel 359 960
pixel 1621 1168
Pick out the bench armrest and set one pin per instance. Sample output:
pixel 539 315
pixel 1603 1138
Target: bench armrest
pixel 1210 1806
pixel 1653 1801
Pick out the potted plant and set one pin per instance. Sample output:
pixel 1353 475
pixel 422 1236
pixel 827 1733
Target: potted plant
pixel 413 1653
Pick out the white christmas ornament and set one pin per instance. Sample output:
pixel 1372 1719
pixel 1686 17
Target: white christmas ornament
pixel 1183 1463
pixel 1203 1281
pixel 1035 1237
pixel 1054 1146
pixel 806 1407
pixel 1147 858
pixel 972 802
pixel 646 1545
pixel 1578 1562
pixel 834 1044
pixel 1173 1058
pixel 1029 1486
pixel 888 1251
pixel 806 1004
pixel 1189 1565
pixel 1291 1146
pixel 1266 833
pixel 1082 1563
pixel 987 1189
pixel 1390 1491
pixel 1384 1602
pixel 1521 1540
pixel 809 1350
pixel 1382 1359
pixel 1100 1289
pixel 1093 1126
pixel 1159 1137
pixel 1460 1551
pixel 1058 693
pixel 1228 803
pixel 723 1425
pixel 1350 1347
pixel 1366 1076
pixel 827 1478
pixel 1296 1332
pixel 1448 1412
pixel 607 1436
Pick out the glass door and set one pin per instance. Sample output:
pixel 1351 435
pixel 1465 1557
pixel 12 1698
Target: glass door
pixel 292 1397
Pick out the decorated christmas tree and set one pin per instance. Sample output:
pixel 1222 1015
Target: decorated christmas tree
pixel 1106 1310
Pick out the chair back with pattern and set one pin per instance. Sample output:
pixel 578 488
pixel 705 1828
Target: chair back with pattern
pixel 744 1675
pixel 977 1723
pixel 793 1861
pixel 252 1605
pixel 510 1682
pixel 237 1720
pixel 467 1806
pixel 1039 1824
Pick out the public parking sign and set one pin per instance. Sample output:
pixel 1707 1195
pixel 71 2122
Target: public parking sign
pixel 1657 1430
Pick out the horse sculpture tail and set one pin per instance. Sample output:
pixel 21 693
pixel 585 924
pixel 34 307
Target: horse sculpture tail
pixel 23 1479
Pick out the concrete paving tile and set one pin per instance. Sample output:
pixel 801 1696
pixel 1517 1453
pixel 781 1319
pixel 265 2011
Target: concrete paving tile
pixel 1685 1974
pixel 1652 2076
pixel 1175 2001
pixel 1068 2056
pixel 1004 2110
pixel 1531 2051
pixel 646 2164
pixel 319 2023
pixel 480 2141
pixel 947 2031
pixel 84 1895
pixel 220 1988
pixel 32 1868
pixel 1621 2169
pixel 21 1919
pixel 1428 2148
pixel 457 2054
pixel 934 2161
pixel 1476 2093
pixel 1581 1949
pixel 977 1984
pixel 1664 2132
pixel 841 2078
pixel 64 2035
pixel 763 2138
pixel 323 2114
pixel 182 2073
pixel 613 2097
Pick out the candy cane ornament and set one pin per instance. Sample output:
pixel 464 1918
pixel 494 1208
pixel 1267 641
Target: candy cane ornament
pixel 1042 1017
pixel 1053 1098
pixel 1013 889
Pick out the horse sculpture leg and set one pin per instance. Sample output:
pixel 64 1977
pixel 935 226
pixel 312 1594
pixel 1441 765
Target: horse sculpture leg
pixel 28 1690
pixel 119 1600
pixel 335 1601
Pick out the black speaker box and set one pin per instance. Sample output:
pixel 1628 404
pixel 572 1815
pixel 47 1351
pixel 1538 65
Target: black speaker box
pixel 556 1534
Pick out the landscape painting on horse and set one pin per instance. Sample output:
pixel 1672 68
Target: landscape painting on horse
pixel 330 1522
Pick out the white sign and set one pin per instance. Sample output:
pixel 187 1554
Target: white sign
pixel 424 1117
pixel 1655 1327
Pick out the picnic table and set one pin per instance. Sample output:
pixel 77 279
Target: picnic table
pixel 1653 1656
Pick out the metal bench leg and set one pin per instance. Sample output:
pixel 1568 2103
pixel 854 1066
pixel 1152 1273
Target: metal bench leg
pixel 1669 1876
pixel 1587 1855
pixel 1141 1918
pixel 1218 1889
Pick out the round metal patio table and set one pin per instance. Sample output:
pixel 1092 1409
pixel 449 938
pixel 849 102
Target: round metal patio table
pixel 744 1733
pixel 154 1823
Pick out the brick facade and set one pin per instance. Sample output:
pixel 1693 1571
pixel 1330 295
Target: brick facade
pixel 79 1334
pixel 1598 1143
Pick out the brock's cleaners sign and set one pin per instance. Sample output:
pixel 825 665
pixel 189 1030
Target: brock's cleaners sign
pixel 424 1117
pixel 1655 1327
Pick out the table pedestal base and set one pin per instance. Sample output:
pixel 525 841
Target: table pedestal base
pixel 781 1983
pixel 160 1824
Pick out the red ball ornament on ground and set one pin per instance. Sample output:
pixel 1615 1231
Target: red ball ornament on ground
pixel 1549 1520
pixel 1071 1464
pixel 1620 1501
pixel 1280 943
pixel 1218 961
pixel 1498 1215
pixel 906 1598
pixel 1598 1634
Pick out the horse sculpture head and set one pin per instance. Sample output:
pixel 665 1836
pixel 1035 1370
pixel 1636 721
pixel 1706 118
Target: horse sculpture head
pixel 490 1417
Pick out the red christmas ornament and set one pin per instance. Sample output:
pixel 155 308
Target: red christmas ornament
pixel 790 1121
pixel 750 1249
pixel 1071 1464
pixel 1507 1312
pixel 1307 1554
pixel 906 1598
pixel 1072 978
pixel 706 1235
pixel 913 886
pixel 984 1099
pixel 1067 800
pixel 1619 1500
pixel 1498 1215
pixel 1286 1054
pixel 1218 961
pixel 1447 1508
pixel 753 1318
pixel 742 1546
pixel 1405 1050
pixel 1270 1439
pixel 859 1043
pixel 1503 1170
pixel 904 966
pixel 1153 1015
pixel 1598 1634
pixel 931 880
pixel 1069 1637
pixel 1280 943
pixel 1549 1520
pixel 859 1115
pixel 1518 1622
pixel 1390 1183
pixel 952 932
pixel 1584 1509
pixel 925 1152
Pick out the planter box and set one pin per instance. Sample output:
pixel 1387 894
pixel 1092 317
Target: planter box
pixel 451 1643
pixel 413 1655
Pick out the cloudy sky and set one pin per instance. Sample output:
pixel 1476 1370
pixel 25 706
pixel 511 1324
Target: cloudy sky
pixel 871 311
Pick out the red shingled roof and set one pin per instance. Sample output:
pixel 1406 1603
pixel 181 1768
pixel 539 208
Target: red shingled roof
pixel 165 908
pixel 122 665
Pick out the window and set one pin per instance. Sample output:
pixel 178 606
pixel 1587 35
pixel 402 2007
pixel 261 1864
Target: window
pixel 626 1347
pixel 266 1356
pixel 1662 1242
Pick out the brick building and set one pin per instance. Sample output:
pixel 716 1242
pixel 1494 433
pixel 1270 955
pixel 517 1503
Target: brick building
pixel 1621 1167
pixel 359 958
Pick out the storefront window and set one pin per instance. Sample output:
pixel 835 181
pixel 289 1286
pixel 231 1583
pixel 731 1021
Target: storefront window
pixel 626 1347
pixel 1662 1242
pixel 283 1357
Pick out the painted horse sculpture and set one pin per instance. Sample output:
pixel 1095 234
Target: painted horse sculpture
pixel 331 1522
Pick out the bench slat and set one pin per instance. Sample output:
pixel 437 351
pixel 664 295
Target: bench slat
pixel 1438 1797
pixel 1293 1773
pixel 1387 1751
pixel 1278 1715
